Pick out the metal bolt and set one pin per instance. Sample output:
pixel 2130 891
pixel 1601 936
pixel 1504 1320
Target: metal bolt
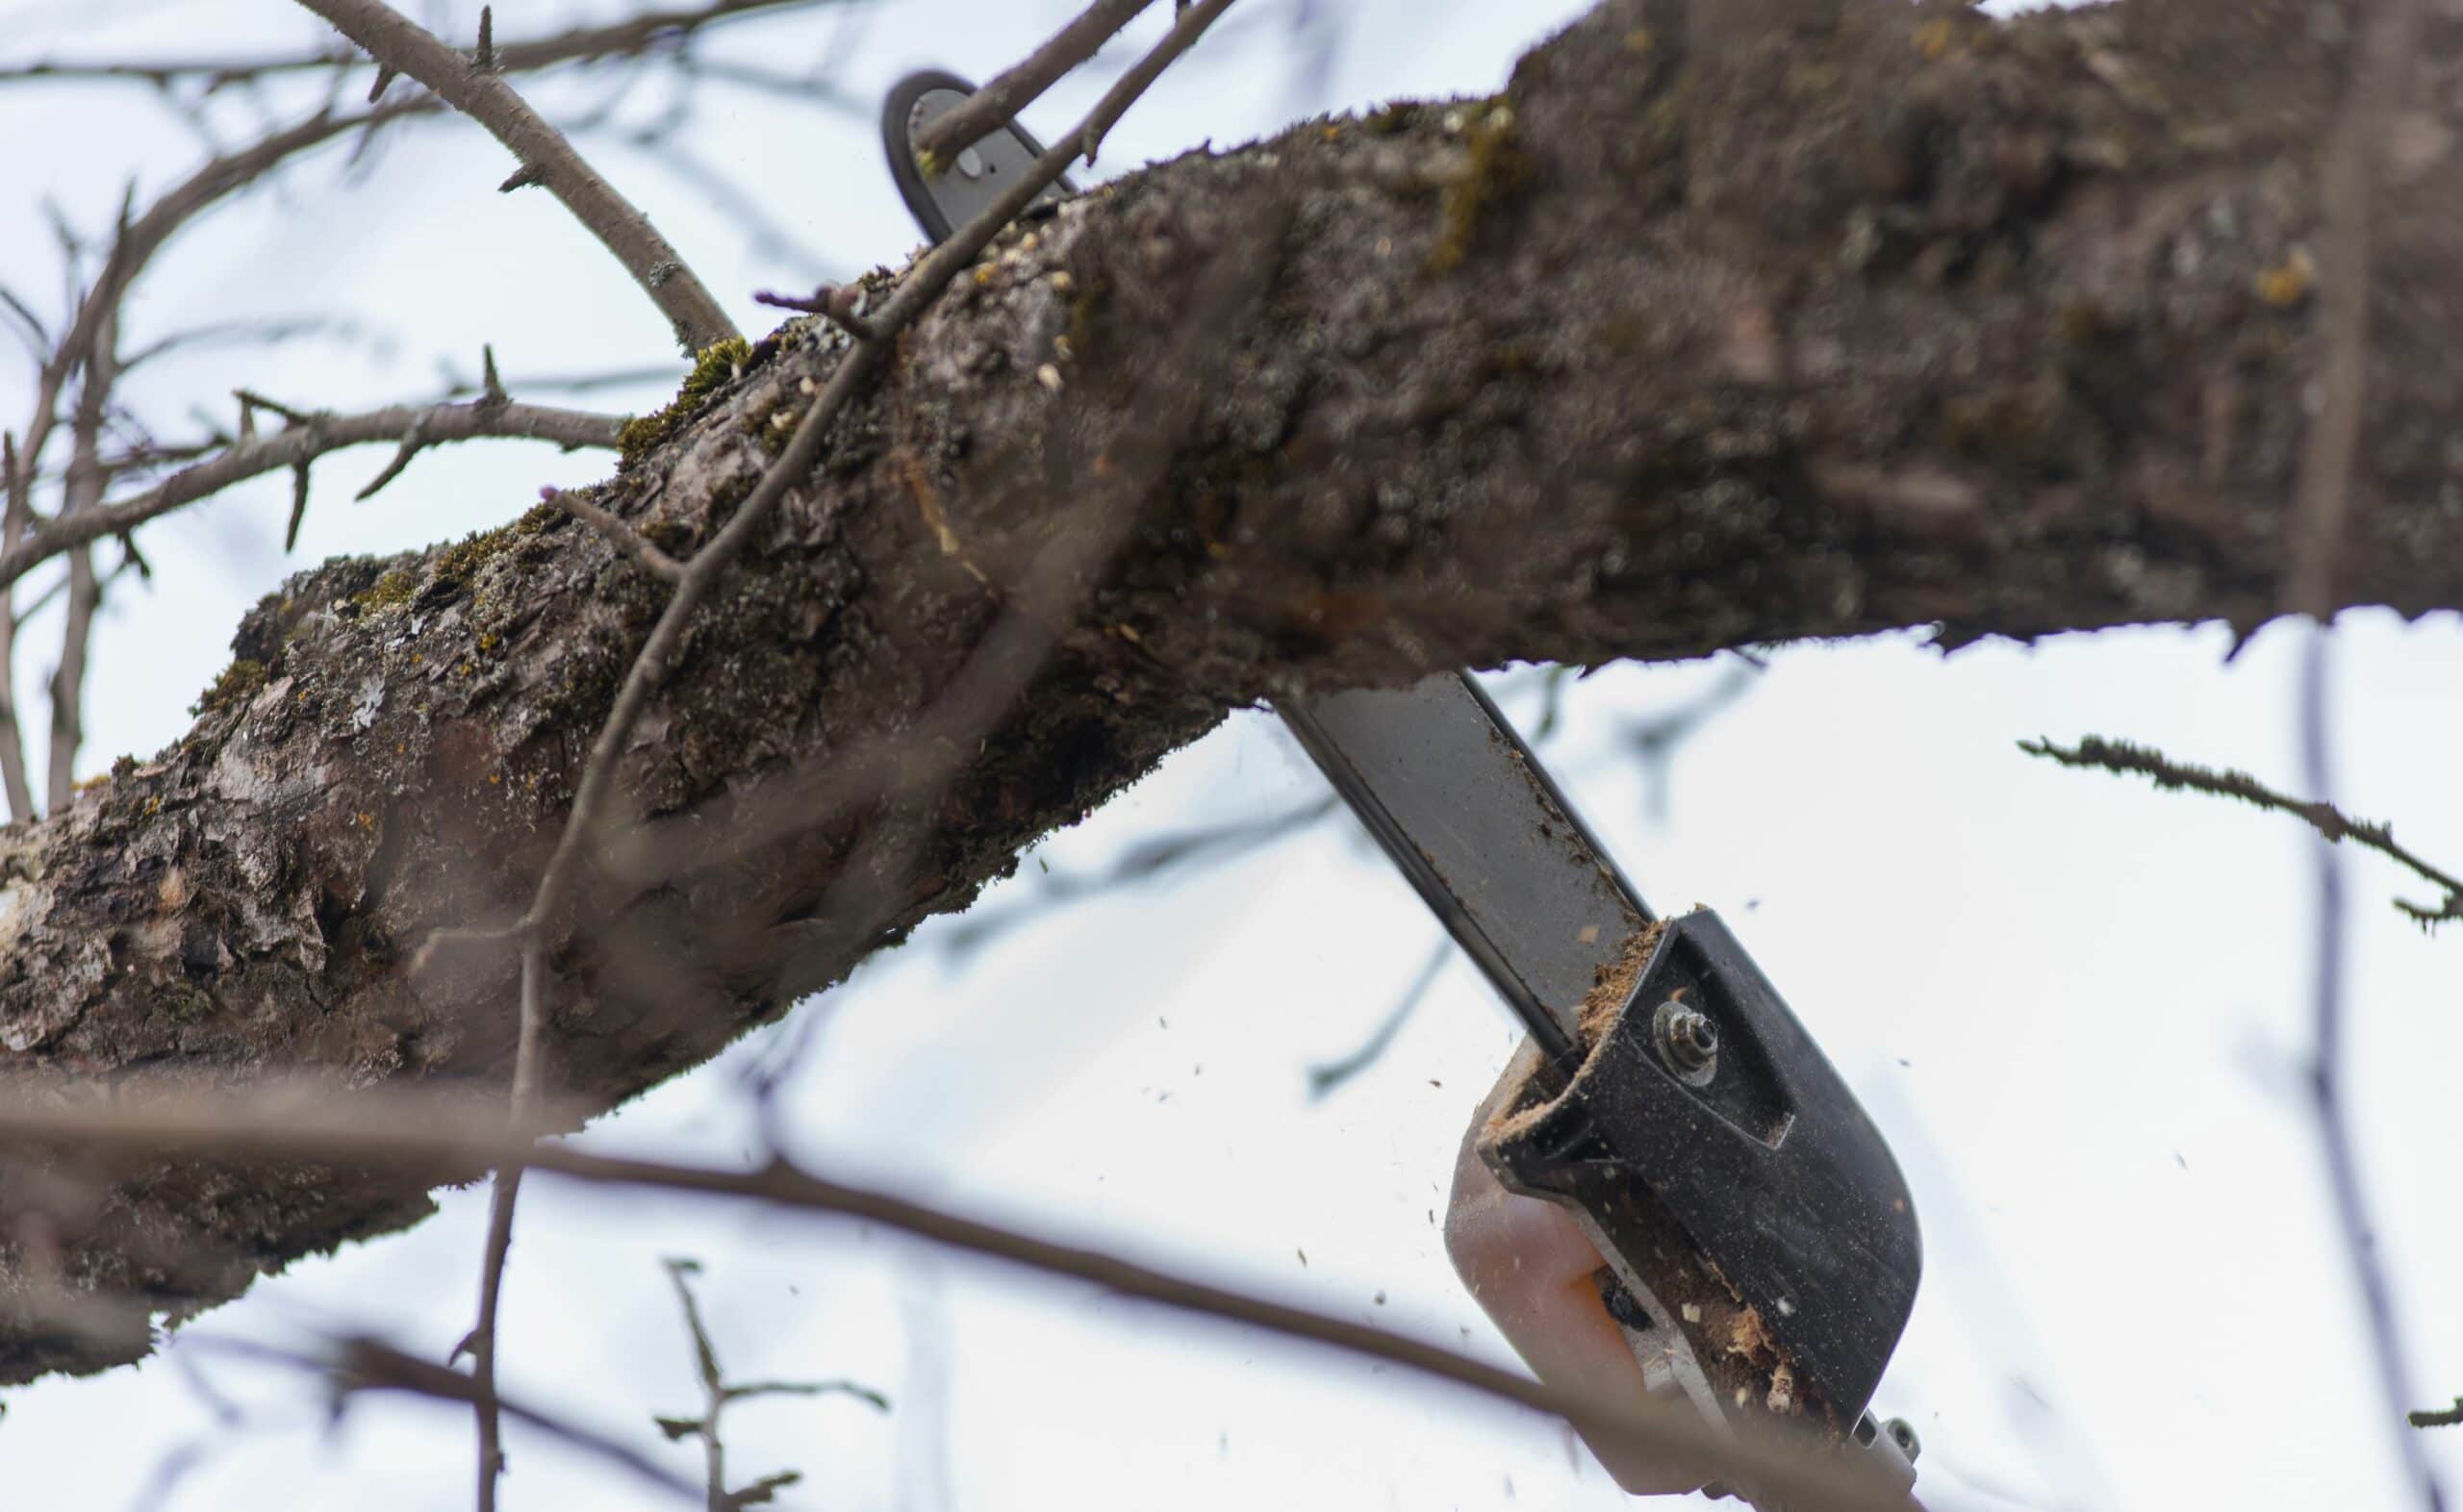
pixel 971 164
pixel 1688 1038
pixel 1903 1433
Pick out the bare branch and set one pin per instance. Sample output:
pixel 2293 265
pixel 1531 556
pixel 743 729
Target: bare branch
pixel 251 401
pixel 1327 1076
pixel 746 207
pixel 364 1364
pixel 2122 757
pixel 2377 88
pixel 482 94
pixel 2388 32
pixel 359 1129
pixel 491 386
pixel 19 493
pixel 83 496
pixel 2448 1418
pixel 304 443
pixel 244 333
pixel 631 542
pixel 487 1402
pixel 996 103
pixel 413 438
pixel 717 1394
pixel 836 303
pixel 298 507
pixel 630 36
pixel 1137 866
pixel 34 335
pixel 219 177
pixel 1193 21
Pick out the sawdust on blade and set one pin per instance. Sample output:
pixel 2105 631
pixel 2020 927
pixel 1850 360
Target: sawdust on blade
pixel 1733 1342
pixel 1612 984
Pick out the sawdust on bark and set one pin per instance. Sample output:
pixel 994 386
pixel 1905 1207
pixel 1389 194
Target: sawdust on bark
pixel 1614 982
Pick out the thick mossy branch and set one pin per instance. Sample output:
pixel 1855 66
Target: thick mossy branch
pixel 1902 317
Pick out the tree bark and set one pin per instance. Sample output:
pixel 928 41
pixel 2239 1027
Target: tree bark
pixel 1884 317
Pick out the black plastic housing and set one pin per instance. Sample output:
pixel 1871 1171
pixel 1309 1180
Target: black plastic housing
pixel 1772 1169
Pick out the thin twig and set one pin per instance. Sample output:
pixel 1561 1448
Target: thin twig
pixel 299 492
pixel 632 36
pixel 625 538
pixel 2327 1092
pixel 58 587
pixel 305 442
pixel 923 284
pixel 664 375
pixel 216 180
pixel 483 94
pixel 363 1364
pixel 138 237
pixel 82 495
pixel 1138 866
pixel 443 1134
pixel 1000 101
pixel 251 401
pixel 833 302
pixel 749 206
pixel 413 438
pixel 2446 1418
pixel 714 1395
pixel 717 1394
pixel 16 515
pixel 492 388
pixel 2122 757
pixel 2387 32
pixel 487 1402
pixel 2378 88
pixel 1326 1077
pixel 237 333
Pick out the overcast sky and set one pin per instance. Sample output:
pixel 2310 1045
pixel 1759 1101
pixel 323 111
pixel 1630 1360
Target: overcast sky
pixel 2079 1008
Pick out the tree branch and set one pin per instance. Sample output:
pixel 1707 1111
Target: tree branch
pixel 997 103
pixel 143 235
pixel 547 157
pixel 84 495
pixel 432 1138
pixel 630 36
pixel 1578 375
pixel 365 1364
pixel 717 1394
pixel 300 443
pixel 2376 90
pixel 2096 752
pixel 16 513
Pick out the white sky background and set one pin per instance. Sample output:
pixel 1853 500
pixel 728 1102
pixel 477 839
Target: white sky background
pixel 2079 1008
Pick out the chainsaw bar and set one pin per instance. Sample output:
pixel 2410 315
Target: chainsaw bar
pixel 1763 1243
